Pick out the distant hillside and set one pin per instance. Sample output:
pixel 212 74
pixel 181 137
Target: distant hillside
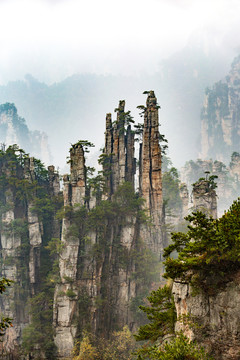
pixel 220 132
pixel 75 108
pixel 14 130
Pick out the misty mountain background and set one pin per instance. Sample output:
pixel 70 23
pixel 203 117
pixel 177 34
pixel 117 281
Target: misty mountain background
pixel 75 108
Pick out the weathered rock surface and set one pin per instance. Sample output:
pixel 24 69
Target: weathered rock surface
pixel 216 318
pixel 204 198
pixel 21 242
pixel 150 175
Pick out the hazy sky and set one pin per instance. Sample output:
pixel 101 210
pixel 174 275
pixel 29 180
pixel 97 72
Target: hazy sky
pixel 52 39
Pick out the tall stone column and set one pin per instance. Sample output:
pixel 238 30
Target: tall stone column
pixel 151 175
pixel 65 306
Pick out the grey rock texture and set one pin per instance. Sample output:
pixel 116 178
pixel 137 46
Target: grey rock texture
pixel 212 320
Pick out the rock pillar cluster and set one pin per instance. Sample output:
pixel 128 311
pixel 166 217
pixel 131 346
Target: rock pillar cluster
pixel 104 245
pixel 100 261
pixel 119 164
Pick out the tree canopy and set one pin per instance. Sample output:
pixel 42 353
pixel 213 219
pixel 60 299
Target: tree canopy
pixel 210 248
pixel 5 321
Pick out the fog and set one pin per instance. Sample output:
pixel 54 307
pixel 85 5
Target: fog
pixel 55 39
pixel 148 44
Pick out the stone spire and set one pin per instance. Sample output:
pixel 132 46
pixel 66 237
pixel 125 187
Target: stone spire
pixel 78 174
pixel 107 164
pixel 150 176
pixel 64 306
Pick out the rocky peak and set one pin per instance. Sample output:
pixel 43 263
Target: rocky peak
pixel 150 174
pixel 151 183
pixel 205 198
pixel 77 164
pixel 120 163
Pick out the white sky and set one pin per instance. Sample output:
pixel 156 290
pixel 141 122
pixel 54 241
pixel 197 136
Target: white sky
pixel 52 39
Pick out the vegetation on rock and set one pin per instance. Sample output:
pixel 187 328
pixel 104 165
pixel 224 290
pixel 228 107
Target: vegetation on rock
pixel 5 322
pixel 120 345
pixel 209 250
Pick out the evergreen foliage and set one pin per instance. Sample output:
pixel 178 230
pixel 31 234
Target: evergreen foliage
pixel 179 348
pixel 209 252
pixel 170 186
pixel 161 313
pixel 22 194
pixel 5 321
pixel 120 345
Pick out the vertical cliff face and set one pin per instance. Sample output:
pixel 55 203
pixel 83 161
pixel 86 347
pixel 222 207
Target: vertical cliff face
pixel 216 318
pixel 35 229
pixel 10 256
pixel 150 174
pixel 220 125
pixel 65 307
pixel 24 233
pixel 105 241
